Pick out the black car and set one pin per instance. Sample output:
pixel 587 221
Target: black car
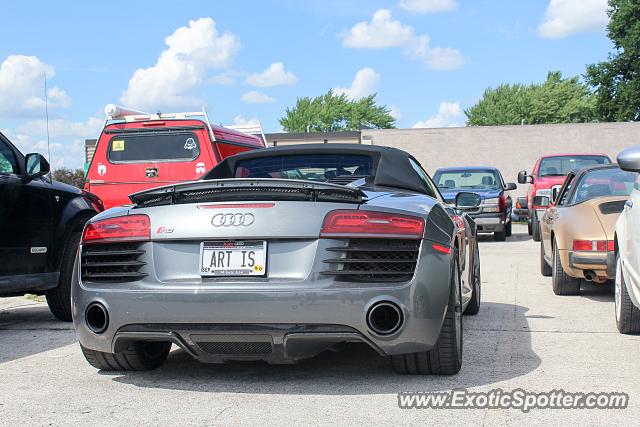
pixel 494 213
pixel 40 226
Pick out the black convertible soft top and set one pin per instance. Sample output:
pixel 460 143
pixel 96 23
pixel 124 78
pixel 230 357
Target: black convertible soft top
pixel 391 167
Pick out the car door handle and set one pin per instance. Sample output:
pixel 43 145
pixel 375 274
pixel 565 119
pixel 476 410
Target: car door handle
pixel 628 204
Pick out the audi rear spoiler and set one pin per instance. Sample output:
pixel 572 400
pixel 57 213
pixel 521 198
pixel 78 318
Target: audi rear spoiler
pixel 247 189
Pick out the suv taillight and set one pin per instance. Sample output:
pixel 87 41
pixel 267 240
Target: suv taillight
pixel 120 229
pixel 357 223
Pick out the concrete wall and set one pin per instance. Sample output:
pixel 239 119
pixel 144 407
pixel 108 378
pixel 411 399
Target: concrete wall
pixel 510 148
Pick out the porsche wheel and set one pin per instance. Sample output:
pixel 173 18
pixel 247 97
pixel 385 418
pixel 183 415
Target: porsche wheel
pixel 446 356
pixel 545 268
pixel 627 314
pixel 140 356
pixel 563 284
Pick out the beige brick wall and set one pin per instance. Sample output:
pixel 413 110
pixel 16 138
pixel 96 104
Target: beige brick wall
pixel 510 148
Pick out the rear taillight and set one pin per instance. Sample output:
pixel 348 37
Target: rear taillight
pixel 120 229
pixel 502 202
pixel 87 186
pixel 355 223
pixel 594 245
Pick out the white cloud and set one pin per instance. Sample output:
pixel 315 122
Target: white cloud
pixel 381 32
pixel 63 128
pixel 275 75
pixel 428 6
pixel 256 97
pixel 435 58
pixel 22 88
pixel 241 121
pixel 191 51
pixel 449 115
pixel 565 17
pixel 67 153
pixel 384 32
pixel 364 84
pixel 394 112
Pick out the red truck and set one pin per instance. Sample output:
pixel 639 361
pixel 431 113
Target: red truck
pixel 547 177
pixel 137 151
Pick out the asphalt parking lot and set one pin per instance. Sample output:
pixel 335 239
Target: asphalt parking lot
pixel 524 337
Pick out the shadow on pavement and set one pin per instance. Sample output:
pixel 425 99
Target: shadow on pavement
pixel 497 347
pixel 29 328
pixel 597 292
pixel 517 236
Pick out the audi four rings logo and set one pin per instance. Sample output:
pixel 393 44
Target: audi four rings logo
pixel 232 220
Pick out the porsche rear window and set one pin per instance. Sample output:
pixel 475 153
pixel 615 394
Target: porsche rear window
pixel 154 147
pixel 603 183
pixel 322 167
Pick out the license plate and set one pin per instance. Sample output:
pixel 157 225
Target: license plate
pixel 233 258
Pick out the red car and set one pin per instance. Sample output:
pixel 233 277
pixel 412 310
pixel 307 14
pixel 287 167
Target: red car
pixel 547 177
pixel 137 151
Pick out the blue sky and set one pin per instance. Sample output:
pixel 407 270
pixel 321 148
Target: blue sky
pixel 427 59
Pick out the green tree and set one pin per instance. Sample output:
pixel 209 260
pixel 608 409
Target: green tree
pixel 617 80
pixel 557 100
pixel 333 112
pixel 73 177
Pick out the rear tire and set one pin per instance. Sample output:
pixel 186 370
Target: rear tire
pixel 535 228
pixel 445 358
pixel 545 268
pixel 140 356
pixel 508 230
pixel 500 236
pixel 59 298
pixel 474 303
pixel 627 314
pixel 529 230
pixel 563 284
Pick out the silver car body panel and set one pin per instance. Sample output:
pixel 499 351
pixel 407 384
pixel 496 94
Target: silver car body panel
pixel 298 310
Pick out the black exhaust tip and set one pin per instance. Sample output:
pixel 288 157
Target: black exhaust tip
pixel 96 317
pixel 384 318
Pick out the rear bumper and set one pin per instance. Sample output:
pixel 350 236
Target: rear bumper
pixel 602 263
pixel 490 222
pixel 294 319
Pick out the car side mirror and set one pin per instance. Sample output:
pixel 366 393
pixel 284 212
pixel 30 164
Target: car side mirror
pixel 629 159
pixel 541 201
pixel 465 200
pixel 510 186
pixel 36 165
pixel 523 178
pixel 554 195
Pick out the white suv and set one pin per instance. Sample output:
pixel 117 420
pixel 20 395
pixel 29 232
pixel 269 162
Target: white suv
pixel 627 281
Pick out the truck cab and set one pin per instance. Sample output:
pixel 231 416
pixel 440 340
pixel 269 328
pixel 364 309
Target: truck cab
pixel 137 151
pixel 547 177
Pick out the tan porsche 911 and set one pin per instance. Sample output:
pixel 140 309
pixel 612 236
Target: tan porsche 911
pixel 578 228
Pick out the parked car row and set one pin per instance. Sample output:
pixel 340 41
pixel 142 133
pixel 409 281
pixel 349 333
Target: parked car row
pixel 586 228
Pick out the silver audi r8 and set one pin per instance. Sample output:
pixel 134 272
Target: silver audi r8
pixel 279 254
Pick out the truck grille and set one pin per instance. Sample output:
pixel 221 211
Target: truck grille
pixel 374 260
pixel 113 262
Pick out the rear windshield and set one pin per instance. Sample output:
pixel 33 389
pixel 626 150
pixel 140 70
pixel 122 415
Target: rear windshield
pixel 154 147
pixel 562 165
pixel 322 167
pixel 468 179
pixel 603 183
